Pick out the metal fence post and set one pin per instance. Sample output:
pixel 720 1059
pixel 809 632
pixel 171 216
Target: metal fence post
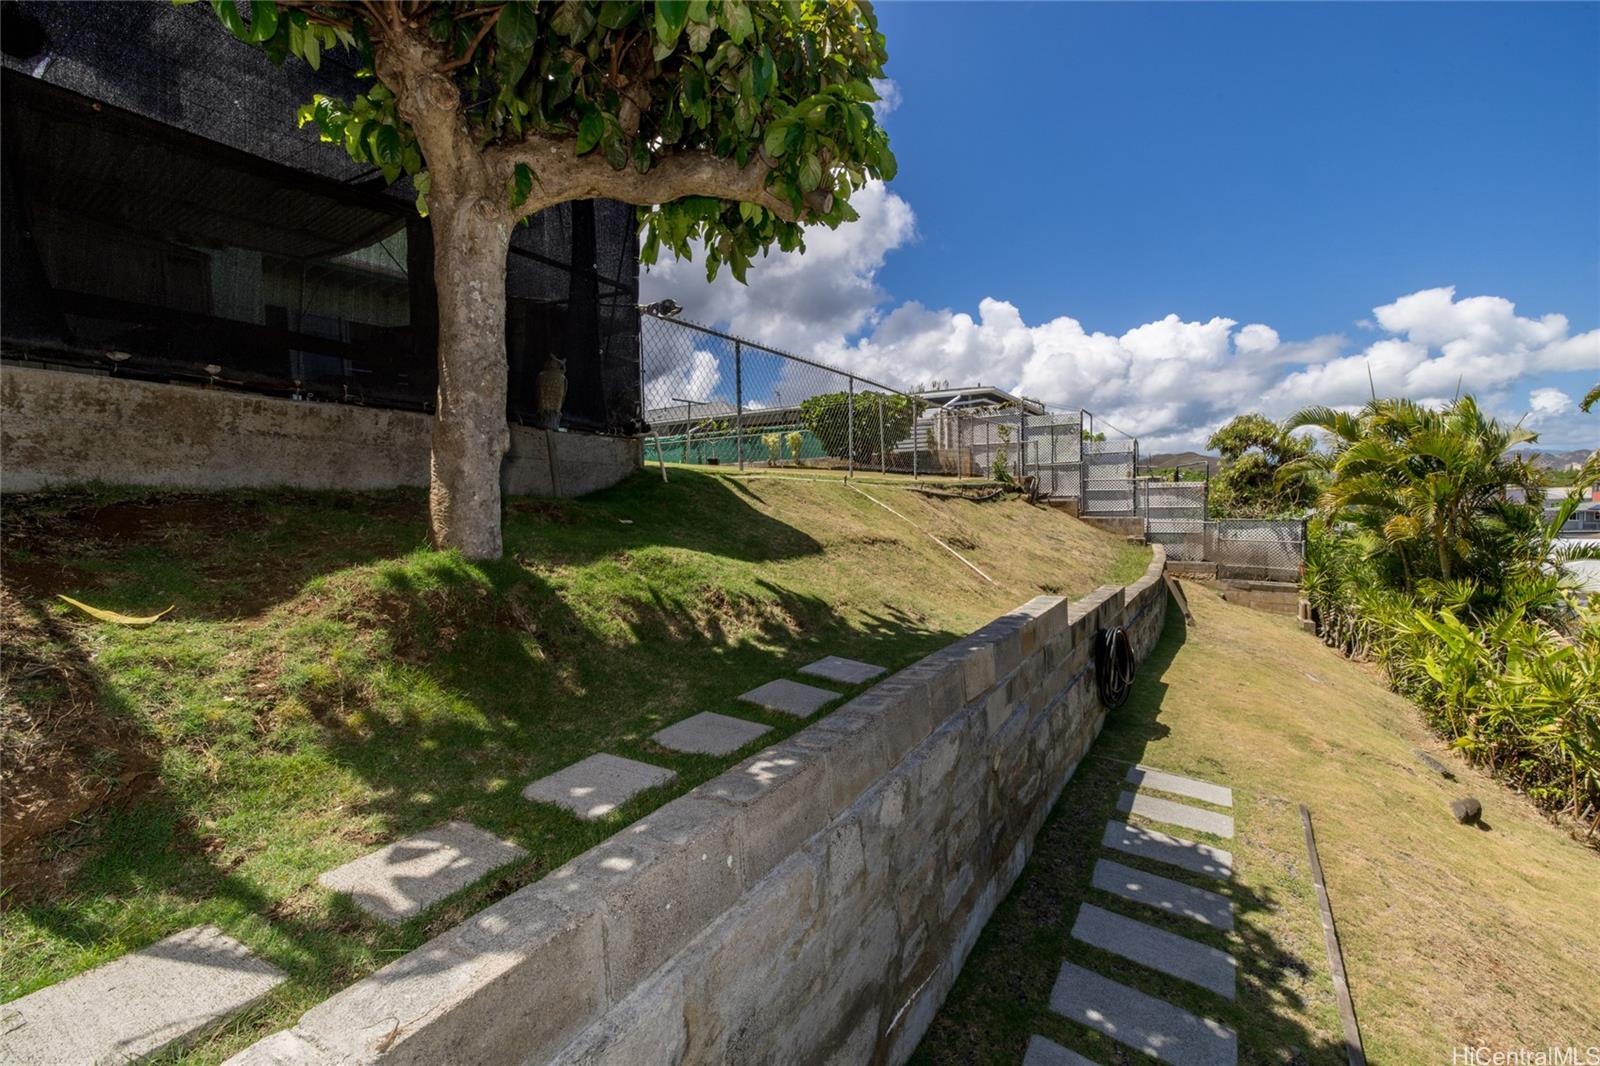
pixel 738 401
pixel 883 446
pixel 850 429
pixel 916 445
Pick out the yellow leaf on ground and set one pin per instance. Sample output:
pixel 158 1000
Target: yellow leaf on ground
pixel 113 616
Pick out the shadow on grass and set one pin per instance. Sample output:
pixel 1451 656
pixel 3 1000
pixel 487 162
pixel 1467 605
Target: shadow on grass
pixel 423 689
pixel 1002 997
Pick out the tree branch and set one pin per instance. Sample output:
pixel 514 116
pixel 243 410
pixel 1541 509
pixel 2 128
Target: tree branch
pixel 560 175
pixel 483 31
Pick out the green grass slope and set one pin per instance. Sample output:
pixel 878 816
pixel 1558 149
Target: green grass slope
pixel 327 684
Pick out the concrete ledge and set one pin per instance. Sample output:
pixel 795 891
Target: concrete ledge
pixel 60 429
pixel 813 903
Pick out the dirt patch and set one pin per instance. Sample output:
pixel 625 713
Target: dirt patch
pixel 66 758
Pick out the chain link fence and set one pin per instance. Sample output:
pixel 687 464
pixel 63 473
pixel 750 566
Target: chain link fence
pixel 1262 549
pixel 716 399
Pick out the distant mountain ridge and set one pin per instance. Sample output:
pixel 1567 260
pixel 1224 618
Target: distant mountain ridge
pixel 1555 460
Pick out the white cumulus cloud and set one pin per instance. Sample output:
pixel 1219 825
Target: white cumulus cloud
pixel 1172 381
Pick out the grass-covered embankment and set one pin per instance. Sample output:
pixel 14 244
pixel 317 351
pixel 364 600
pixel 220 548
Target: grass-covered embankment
pixel 1453 936
pixel 327 684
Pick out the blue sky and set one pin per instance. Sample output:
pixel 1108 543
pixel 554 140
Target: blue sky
pixel 1298 184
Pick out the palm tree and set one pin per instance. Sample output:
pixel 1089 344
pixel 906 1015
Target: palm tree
pixel 1417 482
pixel 1591 398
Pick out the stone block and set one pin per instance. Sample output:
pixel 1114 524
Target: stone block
pixel 1177 956
pixel 782 796
pixel 709 733
pixel 598 785
pixel 658 883
pixel 515 981
pixel 405 878
pixel 851 742
pixel 789 697
pixel 132 1007
pixel 845 671
pixel 647 1027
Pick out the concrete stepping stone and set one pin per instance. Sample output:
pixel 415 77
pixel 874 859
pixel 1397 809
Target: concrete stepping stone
pixel 1164 894
pixel 1045 1052
pixel 1175 851
pixel 849 671
pixel 1174 955
pixel 598 785
pixel 1162 781
pixel 789 697
pixel 1153 1026
pixel 132 1007
pixel 1160 810
pixel 405 878
pixel 709 733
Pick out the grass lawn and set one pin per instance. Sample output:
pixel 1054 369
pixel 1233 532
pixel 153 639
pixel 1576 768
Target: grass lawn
pixel 327 685
pixel 1452 935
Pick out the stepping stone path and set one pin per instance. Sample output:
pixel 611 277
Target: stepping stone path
pixel 710 734
pixel 848 671
pixel 1127 1015
pixel 1175 851
pixel 598 785
pixel 789 697
pixel 1162 781
pixel 1163 810
pixel 1043 1052
pixel 1163 893
pixel 1145 1023
pixel 409 876
pixel 132 1007
pixel 1174 955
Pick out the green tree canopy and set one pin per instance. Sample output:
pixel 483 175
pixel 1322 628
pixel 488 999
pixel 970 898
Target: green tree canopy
pixel 1254 452
pixel 730 125
pixel 828 416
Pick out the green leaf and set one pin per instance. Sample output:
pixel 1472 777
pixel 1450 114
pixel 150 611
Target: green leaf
pixel 699 36
pixel 763 71
pixel 615 14
pixel 573 20
pixel 423 183
pixel 776 140
pixel 810 173
pixel 734 15
pixel 521 184
pixel 590 129
pixel 670 18
pixel 518 26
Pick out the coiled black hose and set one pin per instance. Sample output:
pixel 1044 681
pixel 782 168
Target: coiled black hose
pixel 1113 665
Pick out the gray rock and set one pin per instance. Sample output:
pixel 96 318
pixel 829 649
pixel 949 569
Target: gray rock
pixel 1171 954
pixel 1164 894
pixel 598 785
pixel 132 1007
pixel 1145 1023
pixel 1160 810
pixel 789 697
pixel 709 733
pixel 1466 810
pixel 405 878
pixel 848 671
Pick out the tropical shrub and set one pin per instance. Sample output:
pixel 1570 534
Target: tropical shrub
pixel 1420 562
pixel 774 445
pixel 796 439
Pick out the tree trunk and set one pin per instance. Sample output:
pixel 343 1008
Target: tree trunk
pixel 470 437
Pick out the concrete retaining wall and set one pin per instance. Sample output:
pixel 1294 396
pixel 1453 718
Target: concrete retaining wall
pixel 813 904
pixel 1276 597
pixel 60 429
